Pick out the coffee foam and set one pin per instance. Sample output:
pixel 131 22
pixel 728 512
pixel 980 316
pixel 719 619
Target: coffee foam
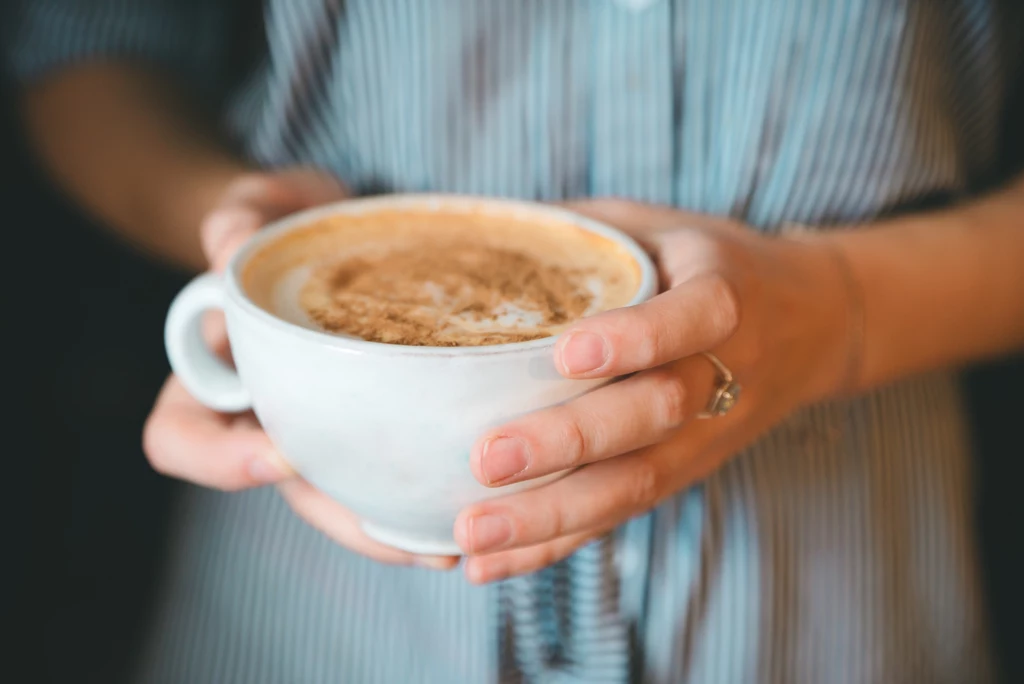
pixel 445 277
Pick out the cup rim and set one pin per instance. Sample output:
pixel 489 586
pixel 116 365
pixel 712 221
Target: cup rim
pixel 645 290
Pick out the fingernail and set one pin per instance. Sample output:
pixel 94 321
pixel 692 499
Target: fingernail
pixel 583 352
pixel 502 458
pixel 268 468
pixel 489 532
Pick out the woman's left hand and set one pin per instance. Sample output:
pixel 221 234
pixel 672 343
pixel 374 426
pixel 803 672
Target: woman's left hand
pixel 776 311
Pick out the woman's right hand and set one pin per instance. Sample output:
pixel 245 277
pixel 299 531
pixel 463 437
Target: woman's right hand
pixel 186 440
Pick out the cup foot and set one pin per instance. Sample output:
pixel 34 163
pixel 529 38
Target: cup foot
pixel 425 546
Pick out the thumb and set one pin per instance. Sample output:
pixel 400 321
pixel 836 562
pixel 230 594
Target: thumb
pixel 226 229
pixel 254 200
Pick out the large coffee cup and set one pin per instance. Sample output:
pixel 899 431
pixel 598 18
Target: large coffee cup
pixel 385 429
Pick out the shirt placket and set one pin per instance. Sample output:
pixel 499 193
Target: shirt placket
pixel 631 131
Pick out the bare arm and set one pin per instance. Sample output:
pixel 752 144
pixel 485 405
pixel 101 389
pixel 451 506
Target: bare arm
pixel 940 289
pixel 130 149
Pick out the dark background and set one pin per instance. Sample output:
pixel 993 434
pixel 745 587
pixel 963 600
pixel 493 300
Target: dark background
pixel 82 363
pixel 84 518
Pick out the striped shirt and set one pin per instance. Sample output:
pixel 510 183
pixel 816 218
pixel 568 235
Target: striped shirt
pixel 837 549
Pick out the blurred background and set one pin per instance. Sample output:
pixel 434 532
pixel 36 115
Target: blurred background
pixel 83 320
pixel 87 518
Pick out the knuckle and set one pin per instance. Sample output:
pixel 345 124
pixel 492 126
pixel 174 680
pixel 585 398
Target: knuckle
pixel 547 555
pixel 576 442
pixel 670 399
pixel 645 483
pixel 725 304
pixel 649 342
pixel 557 523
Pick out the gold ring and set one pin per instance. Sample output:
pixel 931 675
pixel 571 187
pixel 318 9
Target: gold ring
pixel 726 392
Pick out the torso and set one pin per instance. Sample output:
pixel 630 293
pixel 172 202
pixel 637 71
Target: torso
pixel 839 549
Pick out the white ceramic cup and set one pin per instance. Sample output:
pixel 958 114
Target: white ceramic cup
pixel 386 430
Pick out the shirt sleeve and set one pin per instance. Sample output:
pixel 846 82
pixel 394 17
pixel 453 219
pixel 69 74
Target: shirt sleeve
pixel 180 35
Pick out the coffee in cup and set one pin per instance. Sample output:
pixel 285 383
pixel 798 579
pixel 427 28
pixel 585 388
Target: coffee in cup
pixel 440 278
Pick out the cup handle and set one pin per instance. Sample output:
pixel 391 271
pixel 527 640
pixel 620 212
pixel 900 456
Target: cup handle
pixel 206 377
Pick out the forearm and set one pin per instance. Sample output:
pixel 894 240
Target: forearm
pixel 130 150
pixel 939 289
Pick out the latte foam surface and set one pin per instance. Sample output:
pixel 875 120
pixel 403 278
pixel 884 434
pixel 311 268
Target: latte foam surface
pixel 459 277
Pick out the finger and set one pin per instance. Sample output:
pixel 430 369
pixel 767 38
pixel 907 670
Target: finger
pixel 690 457
pixel 695 316
pixel 342 526
pixel 314 186
pixel 257 199
pixel 599 496
pixel 279 193
pixel 641 410
pixel 682 243
pixel 186 440
pixel 498 566
pixel 642 220
pixel 226 229
pixel 215 334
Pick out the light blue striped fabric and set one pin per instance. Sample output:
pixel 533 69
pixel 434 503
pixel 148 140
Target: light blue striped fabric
pixel 838 549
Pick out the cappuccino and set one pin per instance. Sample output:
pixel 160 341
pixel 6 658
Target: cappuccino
pixel 386 429
pixel 447 277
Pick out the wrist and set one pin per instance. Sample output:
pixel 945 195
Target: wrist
pixel 850 300
pixel 835 314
